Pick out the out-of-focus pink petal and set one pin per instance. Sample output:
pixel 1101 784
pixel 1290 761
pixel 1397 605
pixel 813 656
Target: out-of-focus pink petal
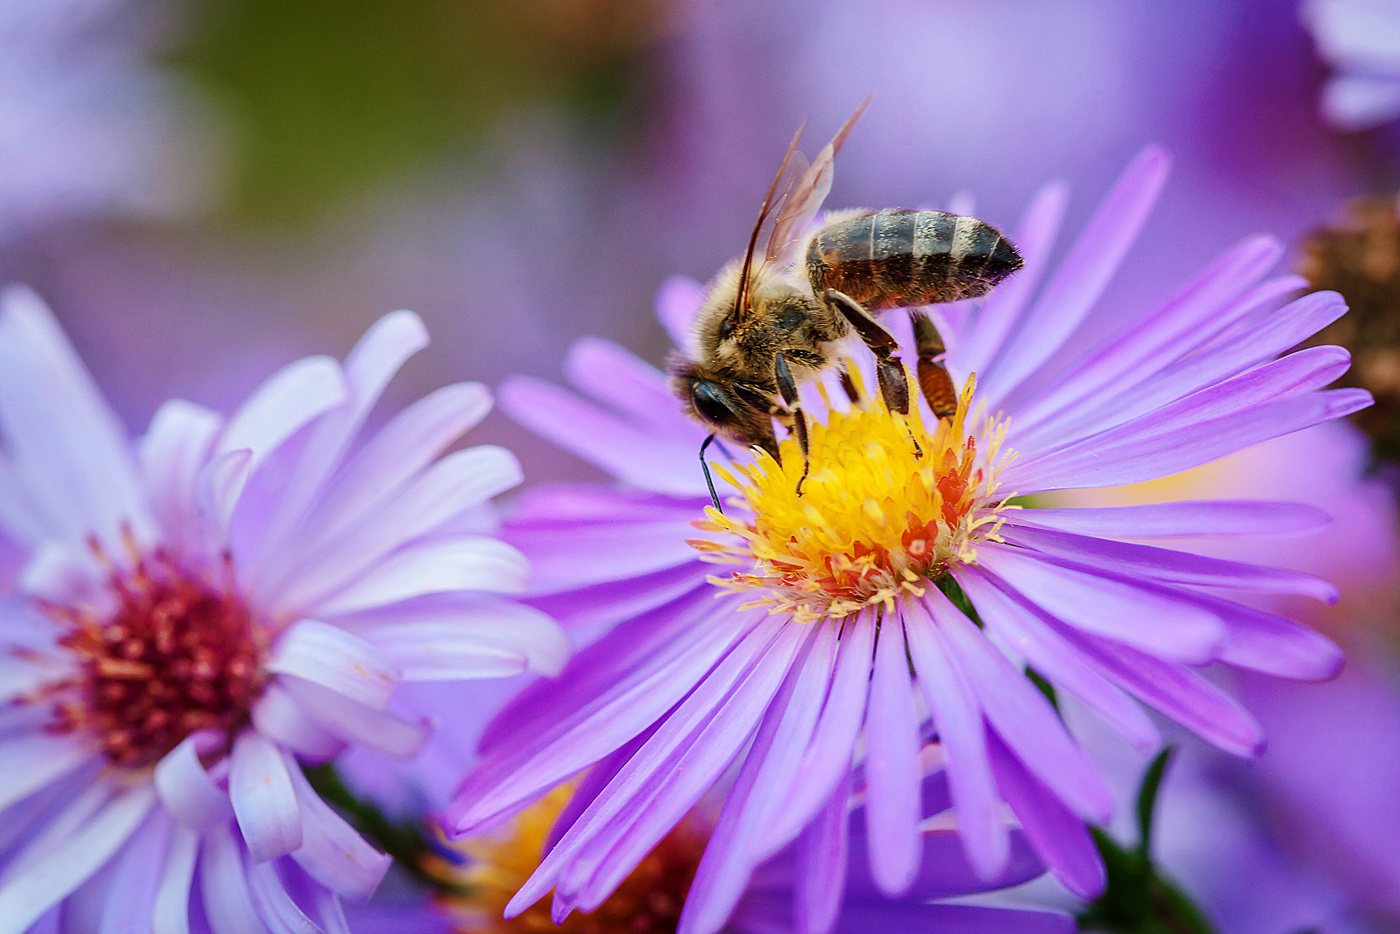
pixel 260 790
pixel 335 659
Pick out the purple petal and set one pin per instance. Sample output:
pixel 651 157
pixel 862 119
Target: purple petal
pixel 275 905
pixel 1165 564
pixel 68 446
pixel 217 488
pixel 278 716
pixel 821 866
pixel 223 885
pixel 261 792
pixel 21 518
pixel 593 611
pixel 864 917
pixel 1149 458
pixel 1179 519
pixel 673 769
pixel 171 454
pixel 467 563
pixel 1028 634
pixel 444 490
pixel 286 401
pixel 412 439
pixel 170 910
pixel 630 386
pixel 635 456
pixel 576 554
pixel 891 767
pixel 332 853
pixel 1083 275
pixel 743 838
pixel 1058 835
pixel 33 885
pixel 33 762
pixel 492 640
pixel 591 726
pixel 1273 644
pixel 335 659
pixel 1021 715
pixel 185 788
pixel 1186 321
pixel 958 718
pixel 1199 364
pixel 1178 692
pixel 129 899
pixel 945 872
pixel 1107 606
pixel 380 730
pixel 827 760
pixel 1292 375
pixel 677 303
pixel 1001 311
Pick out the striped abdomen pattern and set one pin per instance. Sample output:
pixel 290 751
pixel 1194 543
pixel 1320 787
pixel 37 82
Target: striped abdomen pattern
pixel 899 258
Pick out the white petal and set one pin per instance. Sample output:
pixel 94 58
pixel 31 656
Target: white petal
pixel 172 452
pixel 281 719
pixel 30 763
pixel 32 888
pixel 289 399
pixel 491 641
pixel 333 658
pixel 185 788
pixel 412 440
pixel 375 359
pixel 380 730
pixel 483 564
pixel 334 854
pixel 69 448
pixel 171 912
pixel 223 885
pixel 263 800
pixel 440 493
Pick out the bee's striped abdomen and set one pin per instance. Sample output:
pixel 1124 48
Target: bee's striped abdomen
pixel 898 258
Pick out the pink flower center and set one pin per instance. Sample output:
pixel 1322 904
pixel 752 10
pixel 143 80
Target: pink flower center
pixel 176 655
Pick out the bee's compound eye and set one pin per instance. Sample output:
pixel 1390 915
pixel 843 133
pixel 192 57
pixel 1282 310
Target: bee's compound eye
pixel 713 403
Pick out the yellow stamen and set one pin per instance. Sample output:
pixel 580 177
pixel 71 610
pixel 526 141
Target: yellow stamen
pixel 648 902
pixel 888 505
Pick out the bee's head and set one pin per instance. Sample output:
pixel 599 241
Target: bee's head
pixel 727 407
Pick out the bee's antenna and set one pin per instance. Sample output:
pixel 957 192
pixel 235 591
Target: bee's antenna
pixel 709 482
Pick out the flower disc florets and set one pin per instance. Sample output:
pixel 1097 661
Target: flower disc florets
pixel 887 506
pixel 175 654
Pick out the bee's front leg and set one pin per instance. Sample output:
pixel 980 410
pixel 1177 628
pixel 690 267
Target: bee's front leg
pixel 787 388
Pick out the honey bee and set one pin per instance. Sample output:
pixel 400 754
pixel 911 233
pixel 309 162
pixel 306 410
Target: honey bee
pixel 768 321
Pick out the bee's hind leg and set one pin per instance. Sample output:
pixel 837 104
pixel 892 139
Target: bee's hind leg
pixel 894 387
pixel 934 381
pixel 787 388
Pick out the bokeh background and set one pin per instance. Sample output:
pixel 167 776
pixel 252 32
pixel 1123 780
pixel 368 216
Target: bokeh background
pixel 205 190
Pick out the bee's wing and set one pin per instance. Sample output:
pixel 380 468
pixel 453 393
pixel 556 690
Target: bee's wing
pixel 742 306
pixel 804 196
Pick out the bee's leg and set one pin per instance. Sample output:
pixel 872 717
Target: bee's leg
pixel 894 387
pixel 849 386
pixel 787 388
pixel 934 381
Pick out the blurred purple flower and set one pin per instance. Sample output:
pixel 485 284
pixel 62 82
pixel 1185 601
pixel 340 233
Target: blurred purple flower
pixel 681 686
pixel 87 124
pixel 649 899
pixel 1360 39
pixel 194 614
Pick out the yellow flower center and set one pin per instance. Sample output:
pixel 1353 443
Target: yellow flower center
pixel 888 505
pixel 648 902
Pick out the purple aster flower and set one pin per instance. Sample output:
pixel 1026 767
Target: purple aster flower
pixel 488 870
pixel 193 615
pixel 831 644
